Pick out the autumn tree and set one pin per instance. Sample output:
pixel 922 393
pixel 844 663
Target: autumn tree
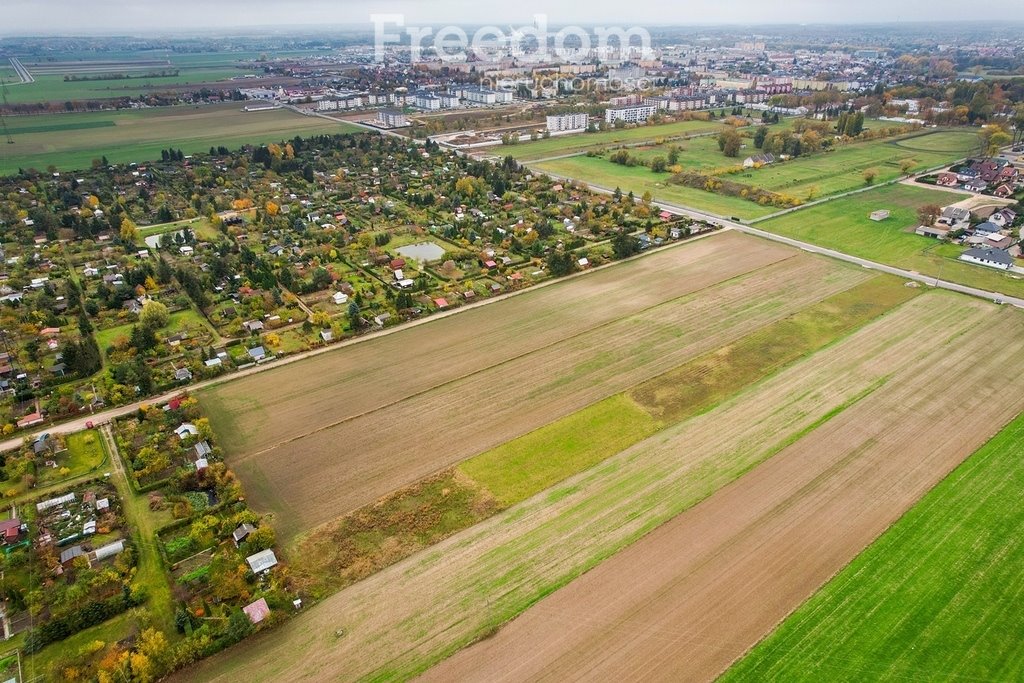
pixel 129 233
pixel 929 213
pixel 869 175
pixel 154 315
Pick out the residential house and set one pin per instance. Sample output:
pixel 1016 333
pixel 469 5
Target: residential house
pixel 986 256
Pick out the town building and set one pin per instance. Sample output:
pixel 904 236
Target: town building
pixel 392 118
pixel 635 114
pixel 564 122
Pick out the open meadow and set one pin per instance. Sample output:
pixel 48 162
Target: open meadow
pixel 844 225
pixel 759 481
pixel 581 142
pixel 805 178
pixel 602 173
pixel 73 141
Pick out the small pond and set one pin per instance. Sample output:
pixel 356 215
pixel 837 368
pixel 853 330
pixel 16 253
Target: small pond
pixel 422 251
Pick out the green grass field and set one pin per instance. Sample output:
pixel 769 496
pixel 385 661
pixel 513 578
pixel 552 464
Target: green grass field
pixel 85 451
pixel 571 144
pixel 842 169
pixel 73 141
pixel 602 173
pixel 843 224
pixel 53 88
pixel 529 464
pixel 937 597
pixel 805 178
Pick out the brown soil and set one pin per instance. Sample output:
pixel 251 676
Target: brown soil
pixel 686 599
pixel 473 396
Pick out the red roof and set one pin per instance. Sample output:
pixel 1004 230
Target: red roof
pixel 441 303
pixel 665 214
pixel 490 264
pixel 257 611
pixel 397 263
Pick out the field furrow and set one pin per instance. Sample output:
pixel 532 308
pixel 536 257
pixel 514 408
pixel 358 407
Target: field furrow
pixel 687 600
pixel 281 404
pixel 353 462
pixel 467 586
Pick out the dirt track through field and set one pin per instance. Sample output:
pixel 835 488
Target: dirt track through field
pixel 789 521
pixel 694 595
pixel 324 474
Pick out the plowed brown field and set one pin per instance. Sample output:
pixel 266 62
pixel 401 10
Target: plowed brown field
pixel 833 449
pixel 475 395
pixel 690 598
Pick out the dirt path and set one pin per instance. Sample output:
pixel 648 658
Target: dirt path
pixel 691 597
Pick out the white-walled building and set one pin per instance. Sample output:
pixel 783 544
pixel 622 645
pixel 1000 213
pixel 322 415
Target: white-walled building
pixel 391 118
pixel 428 101
pixel 629 114
pixel 563 122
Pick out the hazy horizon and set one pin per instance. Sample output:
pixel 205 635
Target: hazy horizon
pixel 106 17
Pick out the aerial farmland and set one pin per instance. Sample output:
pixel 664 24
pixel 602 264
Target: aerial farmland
pixel 735 440
pixel 324 359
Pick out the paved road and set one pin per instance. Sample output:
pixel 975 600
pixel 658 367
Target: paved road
pixel 104 416
pixel 23 73
pixel 742 227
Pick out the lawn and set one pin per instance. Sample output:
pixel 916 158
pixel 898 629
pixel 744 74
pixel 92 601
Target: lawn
pixel 842 170
pixel 936 597
pixel 531 463
pixel 73 141
pixel 85 451
pixel 604 174
pixel 843 224
pixel 571 144
pixel 179 322
pixel 53 88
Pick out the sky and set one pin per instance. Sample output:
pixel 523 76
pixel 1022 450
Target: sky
pixel 37 17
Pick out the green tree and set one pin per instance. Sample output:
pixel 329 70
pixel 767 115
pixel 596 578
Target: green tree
pixel 154 315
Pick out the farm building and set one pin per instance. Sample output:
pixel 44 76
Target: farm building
pixel 993 258
pixel 879 215
pixel 931 231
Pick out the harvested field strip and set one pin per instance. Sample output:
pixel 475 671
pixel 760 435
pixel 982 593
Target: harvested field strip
pixel 340 552
pixel 936 597
pixel 284 403
pixel 535 461
pixel 757 548
pixel 703 382
pixel 342 466
pixel 471 583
